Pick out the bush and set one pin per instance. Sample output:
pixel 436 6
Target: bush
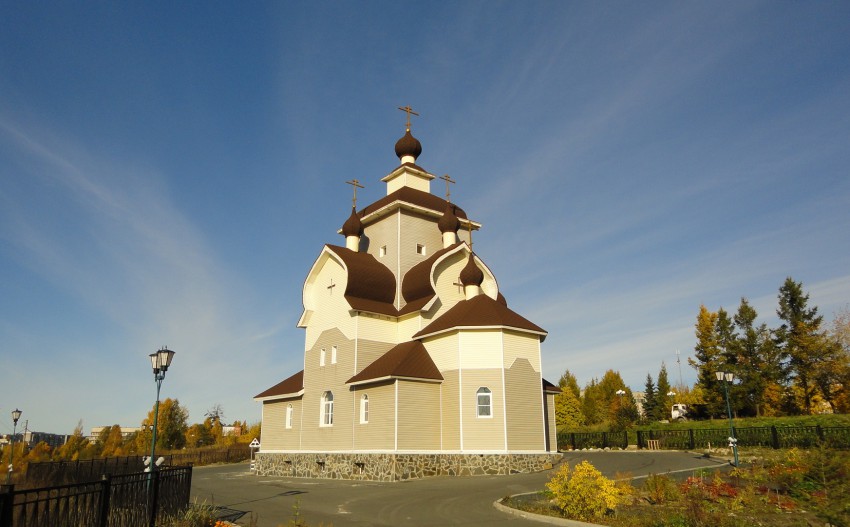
pixel 584 493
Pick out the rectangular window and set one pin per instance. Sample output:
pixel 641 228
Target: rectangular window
pixel 364 409
pixel 383 251
pixel 327 409
pixel 420 249
pixel 485 401
pixel 322 357
pixel 289 416
pixel 333 355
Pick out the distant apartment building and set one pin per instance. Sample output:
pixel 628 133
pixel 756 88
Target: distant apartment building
pixel 126 431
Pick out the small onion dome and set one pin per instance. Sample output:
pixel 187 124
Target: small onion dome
pixel 352 226
pixel 449 222
pixel 408 146
pixel 471 274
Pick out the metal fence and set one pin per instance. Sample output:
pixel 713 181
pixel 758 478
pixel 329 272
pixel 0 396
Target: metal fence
pixel 127 500
pixel 62 472
pixel 700 438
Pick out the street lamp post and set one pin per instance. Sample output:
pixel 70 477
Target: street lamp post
pixel 16 414
pixel 727 377
pixel 160 361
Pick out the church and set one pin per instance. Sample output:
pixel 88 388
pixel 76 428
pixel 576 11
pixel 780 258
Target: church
pixel 414 365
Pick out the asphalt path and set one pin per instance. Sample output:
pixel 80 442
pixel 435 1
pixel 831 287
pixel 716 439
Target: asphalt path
pixel 439 501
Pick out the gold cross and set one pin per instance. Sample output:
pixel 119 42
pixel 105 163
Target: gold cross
pixel 448 180
pixel 355 185
pixel 459 285
pixel 409 111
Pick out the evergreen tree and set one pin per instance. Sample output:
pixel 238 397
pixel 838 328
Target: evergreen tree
pixel 593 408
pixel 799 338
pixel 649 399
pixel 663 401
pixel 568 380
pixel 568 415
pixel 759 369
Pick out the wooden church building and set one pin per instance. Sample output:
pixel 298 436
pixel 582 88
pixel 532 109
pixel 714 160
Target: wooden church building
pixel 414 365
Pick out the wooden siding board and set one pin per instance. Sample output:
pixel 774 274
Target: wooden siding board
pixel 418 415
pixel 524 407
pixel 481 349
pixel 522 345
pixel 451 410
pixel 481 433
pixel 378 433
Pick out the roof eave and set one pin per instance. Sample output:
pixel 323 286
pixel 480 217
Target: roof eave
pixel 267 398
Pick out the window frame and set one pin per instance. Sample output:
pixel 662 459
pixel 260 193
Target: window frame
pixel 484 391
pixel 288 422
pixel 364 409
pixel 326 417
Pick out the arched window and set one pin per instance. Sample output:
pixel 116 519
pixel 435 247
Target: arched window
pixel 327 409
pixel 289 416
pixel 364 409
pixel 485 402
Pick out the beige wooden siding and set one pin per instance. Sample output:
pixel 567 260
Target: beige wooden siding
pixel 446 276
pixel 524 401
pixel 418 415
pixel 522 345
pixel 443 350
pixel 409 326
pixel 417 230
pixel 377 328
pixel 331 309
pixel 551 428
pixel 273 433
pixel 480 349
pixel 450 397
pixel 384 233
pixel 379 432
pixel 330 377
pixel 482 433
pixel 368 351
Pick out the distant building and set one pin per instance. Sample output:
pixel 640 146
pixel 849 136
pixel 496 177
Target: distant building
pixel 53 440
pixel 126 431
pixel 640 398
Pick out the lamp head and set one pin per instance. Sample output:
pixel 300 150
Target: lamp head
pixel 161 360
pixel 719 375
pixel 16 414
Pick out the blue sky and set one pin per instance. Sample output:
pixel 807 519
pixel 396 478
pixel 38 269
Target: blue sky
pixel 169 172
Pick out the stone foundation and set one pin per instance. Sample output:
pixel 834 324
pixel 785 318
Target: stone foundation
pixel 398 467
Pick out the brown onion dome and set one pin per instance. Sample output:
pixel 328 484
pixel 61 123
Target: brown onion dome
pixel 449 222
pixel 352 226
pixel 471 273
pixel 408 146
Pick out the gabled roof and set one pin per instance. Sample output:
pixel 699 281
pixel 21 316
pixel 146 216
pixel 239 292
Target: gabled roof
pixel 413 196
pixel 548 387
pixel 408 360
pixel 417 281
pixel 480 312
pixel 286 389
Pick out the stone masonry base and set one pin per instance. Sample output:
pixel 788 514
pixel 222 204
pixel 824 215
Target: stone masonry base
pixel 398 467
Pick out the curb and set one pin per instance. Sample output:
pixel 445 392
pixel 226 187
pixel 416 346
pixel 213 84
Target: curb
pixel 542 518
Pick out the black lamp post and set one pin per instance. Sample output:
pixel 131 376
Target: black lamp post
pixel 160 361
pixel 16 414
pixel 727 377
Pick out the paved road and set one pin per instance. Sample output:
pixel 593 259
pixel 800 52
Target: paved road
pixel 421 503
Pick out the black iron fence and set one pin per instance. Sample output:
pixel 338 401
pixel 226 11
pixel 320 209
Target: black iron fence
pixel 702 438
pixel 127 500
pixel 62 472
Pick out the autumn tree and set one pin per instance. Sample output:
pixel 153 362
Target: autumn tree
pixel 707 360
pixel 171 424
pixel 839 333
pixel 567 410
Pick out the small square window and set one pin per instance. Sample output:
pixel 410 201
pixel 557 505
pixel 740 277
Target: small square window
pixel 420 249
pixel 382 251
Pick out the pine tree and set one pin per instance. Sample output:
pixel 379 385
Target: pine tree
pixel 649 399
pixel 662 400
pixel 799 338
pixel 759 368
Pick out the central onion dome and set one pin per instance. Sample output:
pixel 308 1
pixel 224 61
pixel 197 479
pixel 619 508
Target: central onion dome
pixel 408 147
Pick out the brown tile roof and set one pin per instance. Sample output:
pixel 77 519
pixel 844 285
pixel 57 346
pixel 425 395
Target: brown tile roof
pixel 371 285
pixel 480 311
pixel 290 386
pixel 417 281
pixel 414 197
pixel 408 359
pixel 548 387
